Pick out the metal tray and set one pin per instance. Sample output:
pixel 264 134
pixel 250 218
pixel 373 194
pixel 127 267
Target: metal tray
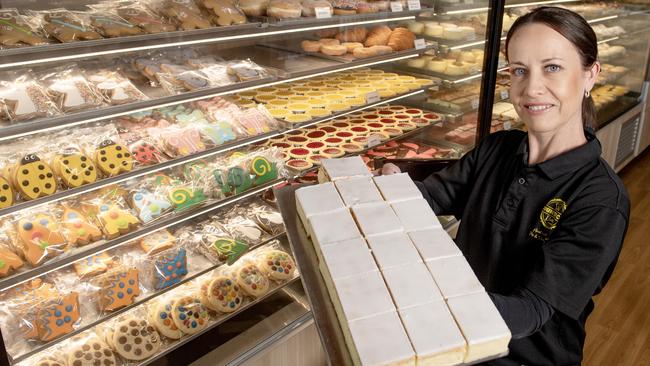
pixel 314 285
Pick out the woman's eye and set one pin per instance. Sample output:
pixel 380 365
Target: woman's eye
pixel 553 68
pixel 518 71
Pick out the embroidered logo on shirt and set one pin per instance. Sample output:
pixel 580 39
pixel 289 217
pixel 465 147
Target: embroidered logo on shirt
pixel 548 219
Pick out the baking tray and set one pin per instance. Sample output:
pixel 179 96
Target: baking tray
pixel 322 308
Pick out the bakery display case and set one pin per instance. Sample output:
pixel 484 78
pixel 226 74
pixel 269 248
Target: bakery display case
pixel 140 142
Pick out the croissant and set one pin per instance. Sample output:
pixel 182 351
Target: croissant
pixel 401 39
pixel 378 36
pixel 357 34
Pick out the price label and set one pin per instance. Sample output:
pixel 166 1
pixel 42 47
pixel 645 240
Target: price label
pixel 396 6
pixel 323 12
pixel 474 103
pixel 420 44
pixel 507 125
pixel 505 94
pixel 372 97
pixel 414 5
pixel 374 140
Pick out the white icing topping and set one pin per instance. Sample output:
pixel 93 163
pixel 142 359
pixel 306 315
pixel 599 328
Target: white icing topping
pixel 348 258
pixel 397 187
pixel 356 191
pixel 446 342
pixel 411 285
pixel 381 340
pixel 393 250
pixel 454 276
pixel 363 295
pixel 343 168
pixel 318 199
pixel 333 227
pixel 376 219
pixel 481 323
pixel 434 244
pixel 416 215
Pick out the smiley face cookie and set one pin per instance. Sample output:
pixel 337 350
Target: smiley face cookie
pixel 40 238
pixel 92 352
pixel 252 280
pixel 6 193
pixel 135 339
pixel 189 315
pixel 57 317
pixel 113 159
pixel 160 315
pixel 34 178
pixel 116 221
pixel 221 294
pixel 77 229
pixel 277 265
pixel 74 169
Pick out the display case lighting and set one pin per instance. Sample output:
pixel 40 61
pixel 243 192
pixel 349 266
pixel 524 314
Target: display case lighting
pixel 547 2
pixel 597 20
pixel 466 45
pixel 608 40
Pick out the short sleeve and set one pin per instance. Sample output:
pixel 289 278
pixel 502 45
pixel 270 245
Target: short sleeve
pixel 578 258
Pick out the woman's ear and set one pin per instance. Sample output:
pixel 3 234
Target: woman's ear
pixel 591 75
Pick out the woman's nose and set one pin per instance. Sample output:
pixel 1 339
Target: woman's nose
pixel 535 84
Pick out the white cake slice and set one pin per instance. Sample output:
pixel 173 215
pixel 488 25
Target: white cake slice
pixel 483 328
pixel 342 168
pixel 454 276
pixel 380 340
pixel 346 259
pixel 356 191
pixel 317 199
pixel 416 214
pixel 393 250
pixel 434 244
pixel 434 334
pixel 332 227
pixel 376 219
pixel 361 296
pixel 411 285
pixel 397 187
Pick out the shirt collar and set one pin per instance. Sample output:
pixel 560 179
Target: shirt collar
pixel 567 162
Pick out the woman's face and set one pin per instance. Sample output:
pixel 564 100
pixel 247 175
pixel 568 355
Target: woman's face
pixel 548 79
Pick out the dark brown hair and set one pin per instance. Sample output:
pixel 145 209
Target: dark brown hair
pixel 573 27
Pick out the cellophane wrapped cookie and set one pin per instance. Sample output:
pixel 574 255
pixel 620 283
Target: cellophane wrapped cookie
pixel 250 169
pixel 109 153
pixel 143 148
pixel 77 227
pixel 109 24
pixel 176 141
pixel 69 161
pixel 22 98
pixel 9 260
pixel 164 268
pixel 16 31
pixel 222 12
pixel 246 70
pixel 181 192
pixel 116 288
pixel 64 25
pixel 108 209
pixel 37 234
pixel 149 200
pixel 114 87
pixel 184 13
pixel 27 171
pixel 215 243
pixel 139 15
pixel 70 89
pixel 238 223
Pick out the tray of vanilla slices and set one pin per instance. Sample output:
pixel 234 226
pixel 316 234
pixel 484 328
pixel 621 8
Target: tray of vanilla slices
pixel 386 283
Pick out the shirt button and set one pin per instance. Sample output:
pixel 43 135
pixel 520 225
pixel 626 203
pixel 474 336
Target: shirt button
pixel 522 181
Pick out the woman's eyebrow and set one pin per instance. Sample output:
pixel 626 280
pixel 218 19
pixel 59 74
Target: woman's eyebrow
pixel 552 58
pixel 516 63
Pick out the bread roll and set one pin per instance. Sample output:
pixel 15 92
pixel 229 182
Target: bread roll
pixel 329 41
pixel 310 46
pixel 284 9
pixel 401 39
pixel 378 36
pixel 356 34
pixel 334 49
pixel 352 45
pixel 254 8
pixel 365 52
pixel 364 7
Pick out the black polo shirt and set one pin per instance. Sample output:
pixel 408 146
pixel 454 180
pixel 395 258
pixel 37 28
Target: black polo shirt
pixel 555 228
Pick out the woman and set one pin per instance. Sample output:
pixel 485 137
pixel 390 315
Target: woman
pixel 542 215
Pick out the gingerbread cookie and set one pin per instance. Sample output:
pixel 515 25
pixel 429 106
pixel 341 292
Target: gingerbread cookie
pixel 56 317
pixel 149 205
pixel 221 294
pixel 145 20
pixel 9 261
pixel 66 28
pixel 157 241
pixel 186 14
pixel 135 339
pixel 34 178
pixel 77 229
pixel 118 289
pixel 93 265
pixel 113 159
pixel 160 315
pixel 14 31
pixel 6 193
pixel 39 238
pixel 146 153
pixel 252 280
pixel 189 315
pixel 92 352
pixel 74 169
pixel 225 12
pixel 113 26
pixel 277 265
pixel 170 269
pixel 116 221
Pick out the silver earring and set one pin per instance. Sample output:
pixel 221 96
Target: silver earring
pixel 587 93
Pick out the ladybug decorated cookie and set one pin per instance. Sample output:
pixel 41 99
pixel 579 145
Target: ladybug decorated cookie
pixel 74 169
pixel 33 178
pixel 113 159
